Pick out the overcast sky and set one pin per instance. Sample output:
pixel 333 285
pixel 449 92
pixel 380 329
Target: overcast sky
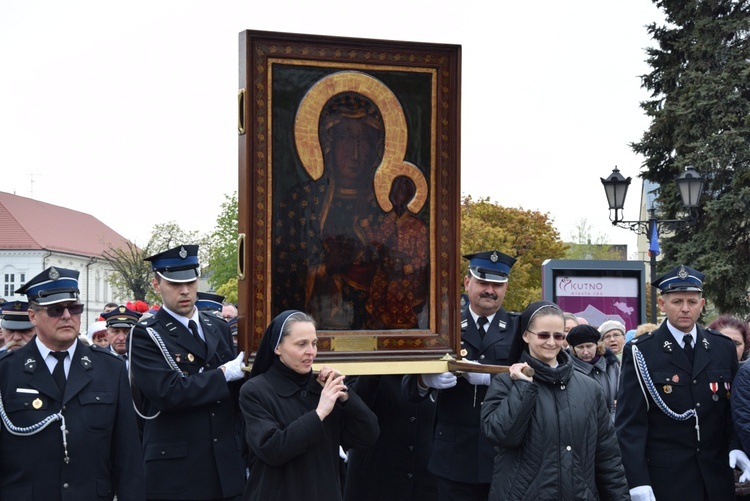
pixel 127 110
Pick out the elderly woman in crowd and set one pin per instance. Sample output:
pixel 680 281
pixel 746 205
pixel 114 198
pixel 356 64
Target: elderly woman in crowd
pixel 736 329
pixel 553 432
pixel 295 422
pixel 613 336
pixel 596 361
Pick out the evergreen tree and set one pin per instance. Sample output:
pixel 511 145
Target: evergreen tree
pixel 699 109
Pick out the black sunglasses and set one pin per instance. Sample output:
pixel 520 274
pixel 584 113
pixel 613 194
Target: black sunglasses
pixel 559 336
pixel 57 310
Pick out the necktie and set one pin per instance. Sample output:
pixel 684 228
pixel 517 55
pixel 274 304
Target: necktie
pixel 58 373
pixel 194 329
pixel 481 322
pixel 689 347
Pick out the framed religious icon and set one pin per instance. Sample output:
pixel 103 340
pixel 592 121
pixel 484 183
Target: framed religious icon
pixel 349 192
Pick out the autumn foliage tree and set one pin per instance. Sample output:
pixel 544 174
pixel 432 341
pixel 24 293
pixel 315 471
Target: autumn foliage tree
pixel 529 236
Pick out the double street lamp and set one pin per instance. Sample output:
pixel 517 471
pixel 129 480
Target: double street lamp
pixel 690 184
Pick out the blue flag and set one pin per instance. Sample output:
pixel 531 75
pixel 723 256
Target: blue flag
pixel 653 248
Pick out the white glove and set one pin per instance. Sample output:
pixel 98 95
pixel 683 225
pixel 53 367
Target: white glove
pixel 439 381
pixel 739 459
pixel 642 493
pixel 476 378
pixel 233 370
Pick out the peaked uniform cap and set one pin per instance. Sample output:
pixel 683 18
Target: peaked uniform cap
pixel 207 301
pixel 121 316
pixel 53 285
pixel 680 279
pixel 490 266
pixel 16 316
pixel 179 264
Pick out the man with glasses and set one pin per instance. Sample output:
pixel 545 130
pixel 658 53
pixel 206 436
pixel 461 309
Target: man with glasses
pixel 68 427
pixel 673 417
pixel 462 456
pixel 16 329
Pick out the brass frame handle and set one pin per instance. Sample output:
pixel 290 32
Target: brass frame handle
pixel 241 112
pixel 241 256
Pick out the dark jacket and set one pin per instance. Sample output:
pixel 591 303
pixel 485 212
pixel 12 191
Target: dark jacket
pixel 192 449
pixel 554 435
pixel 460 450
pixel 395 467
pixel 740 401
pixel 605 371
pixel 656 448
pixel 103 445
pixel 293 454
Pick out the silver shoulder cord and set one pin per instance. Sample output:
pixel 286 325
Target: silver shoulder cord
pixel 27 431
pixel 156 338
pixel 645 379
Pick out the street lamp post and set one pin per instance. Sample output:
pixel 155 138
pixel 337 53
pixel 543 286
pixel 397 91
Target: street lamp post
pixel 690 184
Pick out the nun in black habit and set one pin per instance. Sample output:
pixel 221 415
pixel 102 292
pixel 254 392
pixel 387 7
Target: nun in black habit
pixel 294 421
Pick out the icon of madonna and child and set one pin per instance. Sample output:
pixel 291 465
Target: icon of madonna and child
pixel 351 239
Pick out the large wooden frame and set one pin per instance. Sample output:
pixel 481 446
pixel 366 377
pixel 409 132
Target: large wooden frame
pixel 285 82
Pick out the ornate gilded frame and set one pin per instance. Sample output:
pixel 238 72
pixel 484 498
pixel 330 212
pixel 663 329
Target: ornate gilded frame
pixel 417 89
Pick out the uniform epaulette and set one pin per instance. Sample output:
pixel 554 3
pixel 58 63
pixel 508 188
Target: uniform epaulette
pixel 642 338
pixel 147 320
pixel 514 313
pixel 212 314
pixel 6 353
pixel 719 334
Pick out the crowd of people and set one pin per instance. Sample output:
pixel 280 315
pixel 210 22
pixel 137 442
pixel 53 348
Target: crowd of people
pixel 158 404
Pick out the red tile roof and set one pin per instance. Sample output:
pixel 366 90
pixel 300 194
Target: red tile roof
pixel 27 224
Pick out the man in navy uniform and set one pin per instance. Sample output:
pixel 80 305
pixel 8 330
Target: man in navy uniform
pixel 120 321
pixel 462 457
pixel 16 327
pixel 673 417
pixel 69 430
pixel 185 366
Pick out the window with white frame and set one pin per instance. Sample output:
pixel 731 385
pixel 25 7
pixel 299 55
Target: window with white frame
pixel 11 282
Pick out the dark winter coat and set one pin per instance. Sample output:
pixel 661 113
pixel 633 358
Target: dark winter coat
pixel 554 436
pixel 395 468
pixel 293 454
pixel 606 371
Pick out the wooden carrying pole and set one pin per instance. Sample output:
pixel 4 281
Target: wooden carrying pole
pixel 445 364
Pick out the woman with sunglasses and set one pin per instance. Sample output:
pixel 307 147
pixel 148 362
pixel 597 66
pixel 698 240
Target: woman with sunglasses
pixel 552 430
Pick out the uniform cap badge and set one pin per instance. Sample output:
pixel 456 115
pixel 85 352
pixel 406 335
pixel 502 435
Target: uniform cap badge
pixel 53 274
pixel 682 273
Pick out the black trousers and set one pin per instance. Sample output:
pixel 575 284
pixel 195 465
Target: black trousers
pixel 451 490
